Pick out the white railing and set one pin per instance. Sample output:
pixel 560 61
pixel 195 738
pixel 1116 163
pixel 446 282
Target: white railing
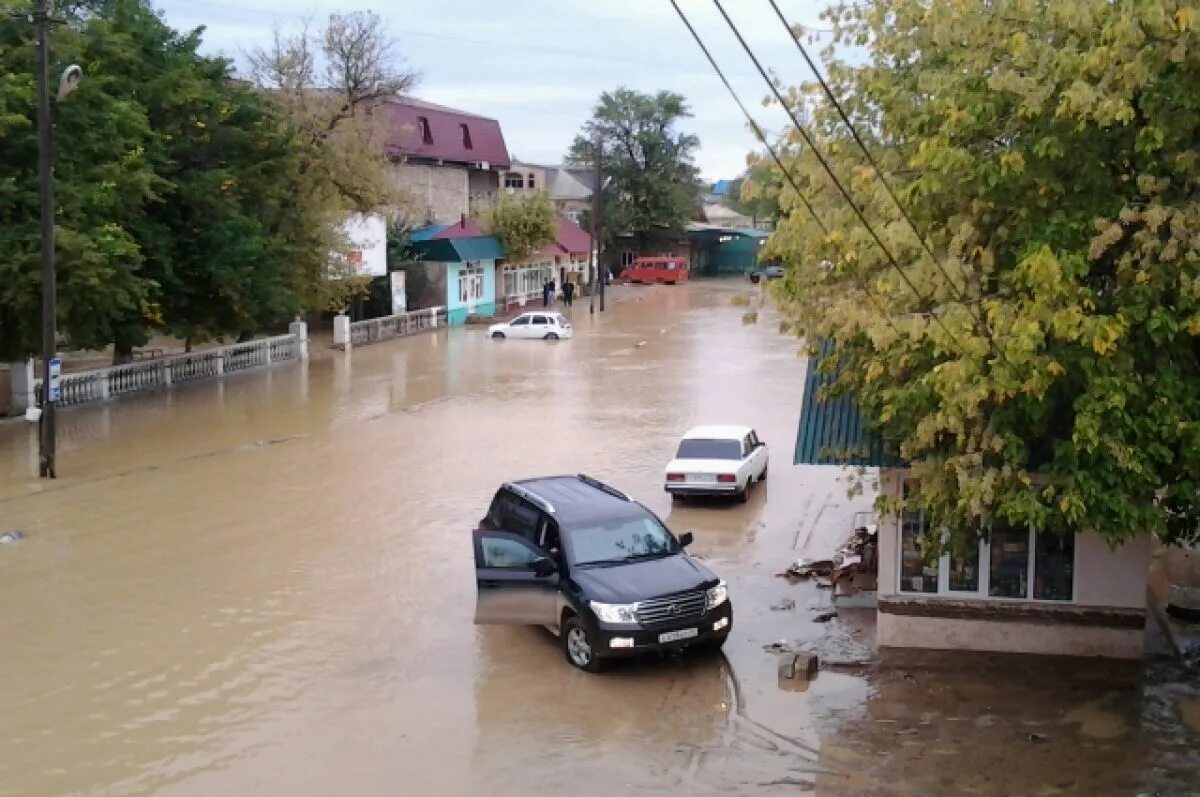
pixel 373 330
pixel 522 299
pixel 100 384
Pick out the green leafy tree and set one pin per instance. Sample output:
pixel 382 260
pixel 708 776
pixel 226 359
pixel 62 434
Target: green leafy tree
pixel 104 177
pixel 524 226
pixel 1047 367
pixel 654 180
pixel 188 202
pixel 756 192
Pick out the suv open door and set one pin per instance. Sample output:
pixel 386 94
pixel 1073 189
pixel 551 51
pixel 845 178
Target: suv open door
pixel 515 581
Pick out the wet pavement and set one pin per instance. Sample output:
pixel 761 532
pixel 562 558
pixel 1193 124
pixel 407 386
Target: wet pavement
pixel 265 586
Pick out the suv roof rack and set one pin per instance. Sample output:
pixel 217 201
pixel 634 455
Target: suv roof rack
pixel 533 498
pixel 599 485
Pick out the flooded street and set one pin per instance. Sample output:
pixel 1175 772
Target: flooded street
pixel 265 586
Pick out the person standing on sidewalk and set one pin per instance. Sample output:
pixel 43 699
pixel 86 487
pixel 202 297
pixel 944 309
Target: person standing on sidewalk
pixel 568 292
pixel 547 289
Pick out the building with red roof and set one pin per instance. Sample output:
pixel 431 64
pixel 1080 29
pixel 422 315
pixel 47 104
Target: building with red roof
pixel 449 161
pixel 565 260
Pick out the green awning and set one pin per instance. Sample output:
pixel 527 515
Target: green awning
pixel 459 250
pixel 833 431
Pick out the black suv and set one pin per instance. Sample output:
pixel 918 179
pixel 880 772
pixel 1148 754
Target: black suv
pixel 595 567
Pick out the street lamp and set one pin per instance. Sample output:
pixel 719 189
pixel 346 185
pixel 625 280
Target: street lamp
pixel 51 365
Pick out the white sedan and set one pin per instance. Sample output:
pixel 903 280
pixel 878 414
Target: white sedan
pixel 717 460
pixel 542 326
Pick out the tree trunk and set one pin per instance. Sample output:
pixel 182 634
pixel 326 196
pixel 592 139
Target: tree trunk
pixel 245 337
pixel 122 350
pixel 187 345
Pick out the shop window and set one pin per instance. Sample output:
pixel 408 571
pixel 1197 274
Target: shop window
pixel 1011 563
pixel 963 571
pixel 1054 567
pixel 1008 576
pixel 917 573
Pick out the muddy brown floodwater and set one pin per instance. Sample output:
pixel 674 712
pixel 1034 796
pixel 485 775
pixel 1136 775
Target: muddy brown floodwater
pixel 265 586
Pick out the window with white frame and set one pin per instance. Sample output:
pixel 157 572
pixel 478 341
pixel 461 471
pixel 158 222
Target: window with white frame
pixel 627 258
pixel 470 283
pixel 1009 563
pixel 514 180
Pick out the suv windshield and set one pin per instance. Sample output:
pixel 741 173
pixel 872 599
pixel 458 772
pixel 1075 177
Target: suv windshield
pixel 709 449
pixel 621 540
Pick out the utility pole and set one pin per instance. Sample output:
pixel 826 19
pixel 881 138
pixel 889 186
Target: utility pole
pixel 597 222
pixel 41 20
pixel 593 249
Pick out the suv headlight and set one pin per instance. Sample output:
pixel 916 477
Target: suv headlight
pixel 615 612
pixel 716 596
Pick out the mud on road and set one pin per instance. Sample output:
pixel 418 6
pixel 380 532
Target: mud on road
pixel 265 586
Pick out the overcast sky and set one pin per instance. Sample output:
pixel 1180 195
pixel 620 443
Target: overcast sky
pixel 539 65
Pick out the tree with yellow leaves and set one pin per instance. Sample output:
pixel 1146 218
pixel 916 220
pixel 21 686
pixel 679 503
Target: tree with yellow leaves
pixel 1030 344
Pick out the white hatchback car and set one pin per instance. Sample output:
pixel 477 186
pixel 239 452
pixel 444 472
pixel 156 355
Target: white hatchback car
pixel 542 326
pixel 717 460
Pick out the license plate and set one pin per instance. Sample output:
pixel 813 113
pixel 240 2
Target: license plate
pixel 702 478
pixel 675 636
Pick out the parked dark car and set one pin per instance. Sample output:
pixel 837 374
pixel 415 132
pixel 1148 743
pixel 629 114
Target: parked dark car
pixel 771 272
pixel 595 567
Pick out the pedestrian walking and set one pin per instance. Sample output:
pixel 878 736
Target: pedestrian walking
pixel 547 287
pixel 553 290
pixel 568 292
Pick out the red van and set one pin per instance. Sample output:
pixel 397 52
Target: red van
pixel 657 269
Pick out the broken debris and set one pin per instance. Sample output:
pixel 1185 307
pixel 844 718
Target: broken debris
pixel 801 665
pixel 785 605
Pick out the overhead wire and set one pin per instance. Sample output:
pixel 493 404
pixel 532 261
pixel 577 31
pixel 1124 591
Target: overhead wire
pixel 833 176
pixel 921 237
pixel 787 174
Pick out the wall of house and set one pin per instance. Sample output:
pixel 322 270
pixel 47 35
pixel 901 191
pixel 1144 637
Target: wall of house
pixel 1105 579
pixel 443 191
pixel 484 187
pixel 1110 577
pixel 458 311
pixel 525 170
pixel 942 633
pixel 572 206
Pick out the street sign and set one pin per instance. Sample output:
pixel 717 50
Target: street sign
pixel 55 379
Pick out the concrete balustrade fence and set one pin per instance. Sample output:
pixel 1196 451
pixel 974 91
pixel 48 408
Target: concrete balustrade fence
pixel 101 384
pixel 374 330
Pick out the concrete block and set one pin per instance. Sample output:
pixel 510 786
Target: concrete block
pixel 798 665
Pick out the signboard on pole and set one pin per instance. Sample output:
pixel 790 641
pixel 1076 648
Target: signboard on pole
pixel 55 393
pixel 366 253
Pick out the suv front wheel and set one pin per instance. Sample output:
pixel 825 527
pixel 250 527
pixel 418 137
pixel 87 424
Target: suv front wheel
pixel 578 646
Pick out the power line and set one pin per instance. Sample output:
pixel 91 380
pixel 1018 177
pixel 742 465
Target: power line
pixel 832 176
pixel 774 156
pixel 753 124
pixel 879 171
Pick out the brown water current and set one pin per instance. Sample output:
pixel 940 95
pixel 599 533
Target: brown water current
pixel 265 586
